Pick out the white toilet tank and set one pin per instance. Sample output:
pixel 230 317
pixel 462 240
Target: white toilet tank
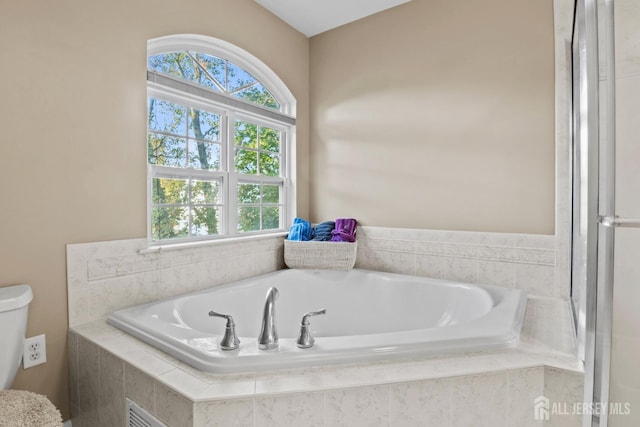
pixel 14 307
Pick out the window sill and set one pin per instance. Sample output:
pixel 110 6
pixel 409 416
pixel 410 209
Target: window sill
pixel 211 242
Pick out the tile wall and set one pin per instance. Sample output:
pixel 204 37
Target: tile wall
pixel 528 262
pixel 106 276
pixel 500 398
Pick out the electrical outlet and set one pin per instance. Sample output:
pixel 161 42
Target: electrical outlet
pixel 35 351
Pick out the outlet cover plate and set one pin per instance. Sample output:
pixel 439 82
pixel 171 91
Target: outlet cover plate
pixel 35 351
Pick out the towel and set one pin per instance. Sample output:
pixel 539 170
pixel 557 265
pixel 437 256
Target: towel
pixel 345 230
pixel 322 231
pixel 300 230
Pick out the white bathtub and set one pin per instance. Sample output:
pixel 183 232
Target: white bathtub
pixel 370 316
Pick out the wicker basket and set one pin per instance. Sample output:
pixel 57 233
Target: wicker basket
pixel 320 255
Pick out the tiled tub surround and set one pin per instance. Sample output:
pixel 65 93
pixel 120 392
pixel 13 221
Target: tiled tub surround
pixel 528 262
pixel 481 389
pixel 106 276
pixel 492 389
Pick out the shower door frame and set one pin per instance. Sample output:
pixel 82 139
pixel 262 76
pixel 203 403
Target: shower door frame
pixel 593 173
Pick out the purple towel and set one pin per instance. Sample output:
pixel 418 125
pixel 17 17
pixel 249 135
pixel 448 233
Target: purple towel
pixel 345 230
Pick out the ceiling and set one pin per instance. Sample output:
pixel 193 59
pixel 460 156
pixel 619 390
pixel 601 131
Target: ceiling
pixel 312 17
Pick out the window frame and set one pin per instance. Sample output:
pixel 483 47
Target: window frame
pixel 229 112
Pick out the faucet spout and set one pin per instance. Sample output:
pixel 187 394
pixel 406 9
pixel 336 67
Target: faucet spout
pixel 268 338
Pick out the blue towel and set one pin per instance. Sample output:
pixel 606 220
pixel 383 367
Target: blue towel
pixel 322 231
pixel 300 230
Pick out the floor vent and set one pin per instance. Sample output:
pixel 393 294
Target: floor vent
pixel 138 417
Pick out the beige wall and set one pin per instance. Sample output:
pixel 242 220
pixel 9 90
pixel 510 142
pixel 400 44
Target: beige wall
pixel 437 114
pixel 72 132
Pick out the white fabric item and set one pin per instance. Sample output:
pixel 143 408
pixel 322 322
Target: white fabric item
pixel 19 408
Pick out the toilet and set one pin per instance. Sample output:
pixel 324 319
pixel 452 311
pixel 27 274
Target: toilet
pixel 19 407
pixel 14 308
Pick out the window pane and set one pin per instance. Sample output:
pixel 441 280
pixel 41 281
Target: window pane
pixel 205 192
pixel 167 150
pixel 171 63
pixel 270 140
pixel 258 94
pixel 169 223
pixel 248 219
pixel 204 155
pixel 246 134
pixel 248 193
pixel 169 191
pixel 204 125
pixel 269 164
pixel 182 65
pixel 205 221
pixel 270 194
pixel 270 218
pixel 238 77
pixel 246 162
pixel 165 116
pixel 216 67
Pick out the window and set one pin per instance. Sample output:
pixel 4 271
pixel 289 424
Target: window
pixel 219 142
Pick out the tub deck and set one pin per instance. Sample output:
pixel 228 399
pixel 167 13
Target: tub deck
pixel 546 340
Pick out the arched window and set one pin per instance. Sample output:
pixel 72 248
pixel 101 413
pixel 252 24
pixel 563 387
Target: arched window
pixel 214 73
pixel 220 131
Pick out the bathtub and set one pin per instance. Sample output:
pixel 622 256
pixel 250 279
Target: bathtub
pixel 370 316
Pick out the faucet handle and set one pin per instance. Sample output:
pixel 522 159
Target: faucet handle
pixel 230 340
pixel 305 340
pixel 305 318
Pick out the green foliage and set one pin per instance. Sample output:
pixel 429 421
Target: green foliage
pixel 258 207
pixel 257 149
pixel 166 223
pixel 258 94
pixel 177 201
pixel 257 153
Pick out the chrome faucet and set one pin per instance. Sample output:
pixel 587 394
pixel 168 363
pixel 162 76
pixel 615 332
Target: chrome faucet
pixel 305 339
pixel 268 339
pixel 230 340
